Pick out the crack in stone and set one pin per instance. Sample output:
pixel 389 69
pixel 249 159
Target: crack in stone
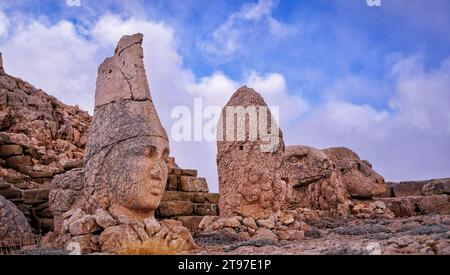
pixel 110 146
pixel 129 46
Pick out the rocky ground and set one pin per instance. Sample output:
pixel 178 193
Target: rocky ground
pixel 424 235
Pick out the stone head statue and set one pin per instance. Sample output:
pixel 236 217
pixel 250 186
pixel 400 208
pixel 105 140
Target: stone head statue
pixel 312 180
pixel 126 153
pixel 358 176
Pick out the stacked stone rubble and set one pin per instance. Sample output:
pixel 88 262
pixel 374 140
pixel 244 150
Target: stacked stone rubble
pixel 40 137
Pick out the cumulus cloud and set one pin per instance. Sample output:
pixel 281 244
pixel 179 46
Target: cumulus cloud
pixel 251 20
pixel 407 140
pixel 4 24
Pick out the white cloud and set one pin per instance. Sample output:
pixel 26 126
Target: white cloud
pixel 250 21
pixel 4 24
pixel 408 141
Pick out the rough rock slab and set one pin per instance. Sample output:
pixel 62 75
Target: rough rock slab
pixel 176 208
pixel 192 184
pixel 436 187
pixel 408 188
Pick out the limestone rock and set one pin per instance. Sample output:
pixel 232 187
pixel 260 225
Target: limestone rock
pixel 82 226
pixel 250 222
pixel 14 227
pixel 408 188
pixel 267 223
pixel 175 208
pixel 313 180
pixel 152 226
pixel 232 222
pixel 358 176
pixel 265 234
pixel 193 184
pixel 436 187
pixel 103 218
pixel 254 188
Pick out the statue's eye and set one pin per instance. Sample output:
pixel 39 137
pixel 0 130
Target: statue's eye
pixel 294 160
pixel 150 152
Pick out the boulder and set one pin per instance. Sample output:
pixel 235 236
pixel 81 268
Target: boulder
pixel 84 225
pixel 14 228
pixel 10 150
pixel 206 209
pixel 408 188
pixel 313 181
pixel 436 187
pixel 193 184
pixel 176 208
pixel 360 179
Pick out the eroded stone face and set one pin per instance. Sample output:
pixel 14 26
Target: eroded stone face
pixel 140 183
pixel 357 175
pixel 312 180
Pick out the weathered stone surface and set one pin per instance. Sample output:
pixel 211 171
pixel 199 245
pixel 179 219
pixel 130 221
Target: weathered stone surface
pixel 172 183
pixel 436 187
pixel 117 238
pixel 14 228
pixel 360 179
pixel 290 235
pixel 176 208
pixel 197 197
pixel 250 222
pixel 88 243
pixel 66 193
pixel 313 181
pixel 4 185
pixel 82 226
pixel 189 172
pixel 152 226
pixel 436 204
pixel 35 196
pixel 191 222
pixel 265 234
pixel 16 161
pixel 233 222
pixel 418 205
pixel 10 193
pixel 408 188
pixel 72 164
pixel 267 223
pixel 254 188
pixel 206 209
pixel 103 218
pixel 10 150
pixel 193 184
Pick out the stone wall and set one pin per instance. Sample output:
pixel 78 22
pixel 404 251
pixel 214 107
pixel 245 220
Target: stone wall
pixel 187 198
pixel 410 198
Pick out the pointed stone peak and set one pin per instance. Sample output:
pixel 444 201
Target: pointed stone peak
pixel 127 41
pixel 122 76
pixel 246 96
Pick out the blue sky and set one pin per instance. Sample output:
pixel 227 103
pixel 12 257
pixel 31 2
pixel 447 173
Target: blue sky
pixel 375 79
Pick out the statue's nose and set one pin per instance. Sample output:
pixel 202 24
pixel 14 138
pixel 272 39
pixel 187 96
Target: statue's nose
pixel 155 173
